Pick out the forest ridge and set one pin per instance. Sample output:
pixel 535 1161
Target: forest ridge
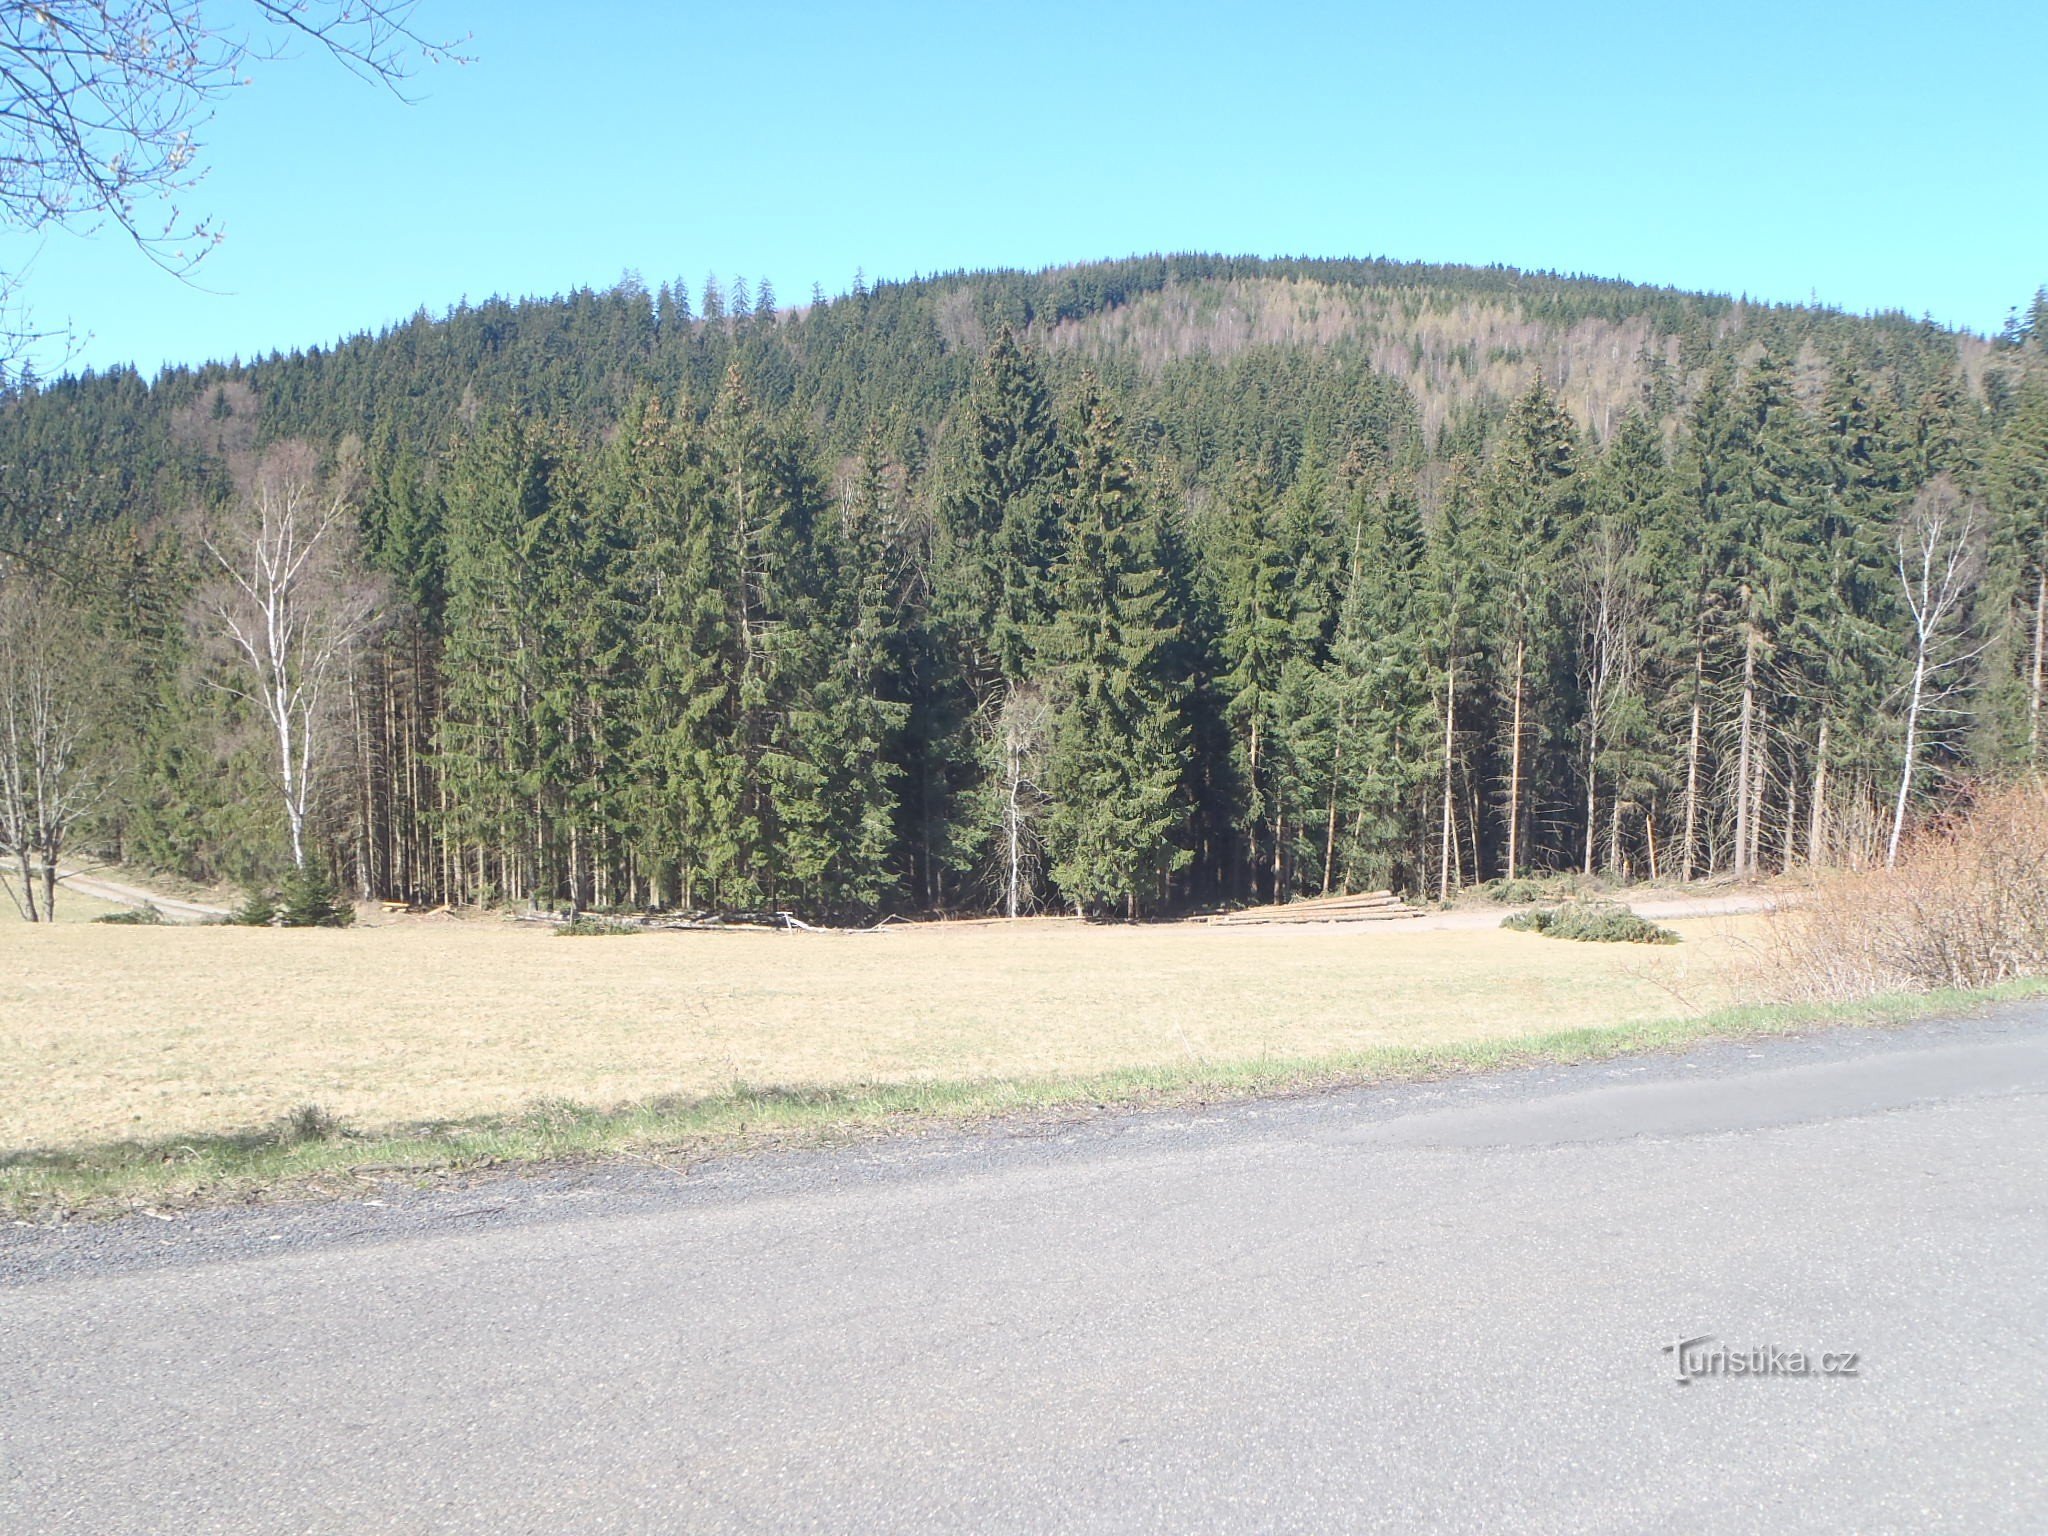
pixel 1128 587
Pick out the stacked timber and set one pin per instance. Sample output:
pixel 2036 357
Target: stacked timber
pixel 1368 907
pixel 677 922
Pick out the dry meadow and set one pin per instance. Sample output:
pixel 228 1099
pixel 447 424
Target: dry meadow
pixel 109 1033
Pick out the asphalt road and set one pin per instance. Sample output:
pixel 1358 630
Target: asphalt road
pixel 1439 1307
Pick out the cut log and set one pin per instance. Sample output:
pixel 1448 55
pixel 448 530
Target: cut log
pixel 1370 906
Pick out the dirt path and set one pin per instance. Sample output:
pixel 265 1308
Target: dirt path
pixel 1661 909
pixel 1656 909
pixel 134 896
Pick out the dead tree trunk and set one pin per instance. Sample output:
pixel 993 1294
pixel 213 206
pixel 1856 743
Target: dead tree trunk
pixel 1817 830
pixel 1515 768
pixel 1450 737
pixel 1688 850
pixel 1742 757
pixel 2034 682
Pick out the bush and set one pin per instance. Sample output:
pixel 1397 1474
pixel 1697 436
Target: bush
pixel 1590 922
pixel 1966 907
pixel 145 916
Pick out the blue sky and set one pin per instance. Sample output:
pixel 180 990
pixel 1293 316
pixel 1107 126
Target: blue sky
pixel 1876 155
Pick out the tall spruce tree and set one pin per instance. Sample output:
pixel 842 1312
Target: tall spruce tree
pixel 684 754
pixel 1612 589
pixel 1002 511
pixel 1453 615
pixel 1115 766
pixel 1376 697
pixel 1845 646
pixel 1693 543
pixel 1779 573
pixel 1257 642
pixel 1532 509
pixel 2016 486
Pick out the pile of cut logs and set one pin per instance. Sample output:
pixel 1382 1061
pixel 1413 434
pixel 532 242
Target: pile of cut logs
pixel 684 922
pixel 1369 907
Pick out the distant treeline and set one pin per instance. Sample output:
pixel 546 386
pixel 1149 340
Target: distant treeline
pixel 905 602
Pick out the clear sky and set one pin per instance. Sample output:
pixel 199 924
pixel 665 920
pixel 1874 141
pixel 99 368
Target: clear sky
pixel 1877 155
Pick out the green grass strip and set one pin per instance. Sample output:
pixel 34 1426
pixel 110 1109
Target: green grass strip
pixel 280 1161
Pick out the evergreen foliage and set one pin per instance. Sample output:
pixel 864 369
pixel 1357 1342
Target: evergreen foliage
pixel 1123 588
pixel 1118 738
pixel 1590 922
pixel 308 899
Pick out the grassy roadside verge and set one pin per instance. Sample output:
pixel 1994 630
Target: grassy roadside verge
pixel 312 1159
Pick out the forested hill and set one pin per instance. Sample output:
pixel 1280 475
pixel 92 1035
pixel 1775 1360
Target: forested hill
pixel 1217 358
pixel 1126 586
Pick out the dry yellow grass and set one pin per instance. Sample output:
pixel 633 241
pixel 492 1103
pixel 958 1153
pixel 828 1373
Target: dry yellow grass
pixel 110 1032
pixel 71 908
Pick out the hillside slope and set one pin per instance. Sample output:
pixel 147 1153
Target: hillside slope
pixel 1127 587
pixel 1459 340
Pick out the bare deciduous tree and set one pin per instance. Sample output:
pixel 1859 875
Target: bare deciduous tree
pixel 1021 732
pixel 1937 567
pixel 1611 619
pixel 52 693
pixel 287 611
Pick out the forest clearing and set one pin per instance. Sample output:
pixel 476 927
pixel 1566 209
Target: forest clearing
pixel 146 1033
pixel 1132 770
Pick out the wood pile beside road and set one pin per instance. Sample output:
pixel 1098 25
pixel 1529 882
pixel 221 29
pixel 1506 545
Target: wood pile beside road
pixel 1368 907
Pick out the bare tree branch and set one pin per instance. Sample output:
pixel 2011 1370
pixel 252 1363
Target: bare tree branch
pixel 102 102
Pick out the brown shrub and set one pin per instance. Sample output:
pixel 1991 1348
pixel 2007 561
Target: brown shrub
pixel 1967 906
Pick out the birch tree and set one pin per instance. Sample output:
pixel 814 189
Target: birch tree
pixel 1020 734
pixel 1937 568
pixel 287 609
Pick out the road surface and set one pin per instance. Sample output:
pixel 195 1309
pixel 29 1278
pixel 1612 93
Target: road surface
pixel 1438 1307
pixel 172 907
pixel 1658 909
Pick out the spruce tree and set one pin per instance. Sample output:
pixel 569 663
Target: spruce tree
pixel 1453 613
pixel 1376 699
pixel 488 749
pixel 2016 487
pixel 1002 512
pixel 1115 766
pixel 1532 509
pixel 836 790
pixel 1255 644
pixel 1612 587
pixel 683 751
pixel 1778 574
pixel 1693 544
pixel 1845 646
